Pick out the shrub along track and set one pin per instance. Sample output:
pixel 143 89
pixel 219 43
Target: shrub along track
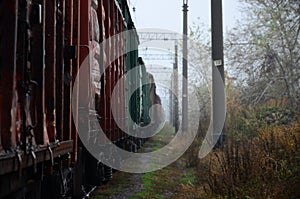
pixel 174 181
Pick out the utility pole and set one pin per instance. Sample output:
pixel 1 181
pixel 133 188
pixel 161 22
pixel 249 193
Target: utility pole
pixel 185 71
pixel 171 100
pixel 175 100
pixel 217 68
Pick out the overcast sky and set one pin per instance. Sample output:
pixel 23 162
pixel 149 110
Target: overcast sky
pixel 167 14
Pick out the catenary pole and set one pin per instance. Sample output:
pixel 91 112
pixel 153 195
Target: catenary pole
pixel 185 69
pixel 217 65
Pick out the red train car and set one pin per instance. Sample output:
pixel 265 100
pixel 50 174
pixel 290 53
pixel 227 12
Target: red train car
pixel 42 46
pixel 38 59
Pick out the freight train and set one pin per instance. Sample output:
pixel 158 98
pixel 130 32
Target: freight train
pixel 43 44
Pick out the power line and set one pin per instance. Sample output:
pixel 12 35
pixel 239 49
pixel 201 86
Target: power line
pixel 157 56
pixel 158 36
pixel 166 36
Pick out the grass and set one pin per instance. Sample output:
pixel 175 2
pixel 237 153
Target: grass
pixel 113 187
pixel 156 183
pixel 175 181
pixel 188 177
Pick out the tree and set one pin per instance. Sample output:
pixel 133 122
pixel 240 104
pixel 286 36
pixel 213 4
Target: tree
pixel 200 72
pixel 264 52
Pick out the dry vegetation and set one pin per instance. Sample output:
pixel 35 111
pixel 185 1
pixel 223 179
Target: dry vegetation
pixel 258 161
pixel 261 157
pixel 266 166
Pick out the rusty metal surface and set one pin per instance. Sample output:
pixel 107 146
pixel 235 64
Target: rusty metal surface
pixel 60 29
pixel 75 69
pixel 117 68
pixel 50 69
pixel 102 111
pixel 107 85
pixel 84 53
pixel 37 110
pixel 64 23
pixel 113 67
pixel 8 38
pixel 68 70
pixel 10 162
pixel 122 72
pixel 23 66
pixel 84 85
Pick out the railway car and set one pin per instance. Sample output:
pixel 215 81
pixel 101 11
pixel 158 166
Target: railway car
pixel 43 44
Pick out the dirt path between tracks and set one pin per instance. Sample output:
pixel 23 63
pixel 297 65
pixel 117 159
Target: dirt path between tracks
pixel 174 181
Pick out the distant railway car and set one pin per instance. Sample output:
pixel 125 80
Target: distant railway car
pixel 43 45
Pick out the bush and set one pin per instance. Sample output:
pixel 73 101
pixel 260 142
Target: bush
pixel 266 166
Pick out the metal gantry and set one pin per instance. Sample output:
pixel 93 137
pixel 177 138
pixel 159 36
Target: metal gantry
pixel 156 56
pixel 166 36
pixel 158 36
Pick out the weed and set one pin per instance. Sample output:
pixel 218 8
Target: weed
pixel 266 166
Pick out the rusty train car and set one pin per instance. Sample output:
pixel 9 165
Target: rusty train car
pixel 43 44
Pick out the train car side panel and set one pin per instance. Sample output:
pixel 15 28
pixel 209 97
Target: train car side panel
pixel 8 48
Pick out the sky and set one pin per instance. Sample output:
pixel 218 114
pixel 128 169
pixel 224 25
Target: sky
pixel 167 14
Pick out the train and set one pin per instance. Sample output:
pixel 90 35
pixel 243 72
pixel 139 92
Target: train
pixel 43 101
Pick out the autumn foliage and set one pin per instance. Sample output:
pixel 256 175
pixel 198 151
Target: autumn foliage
pixel 266 166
